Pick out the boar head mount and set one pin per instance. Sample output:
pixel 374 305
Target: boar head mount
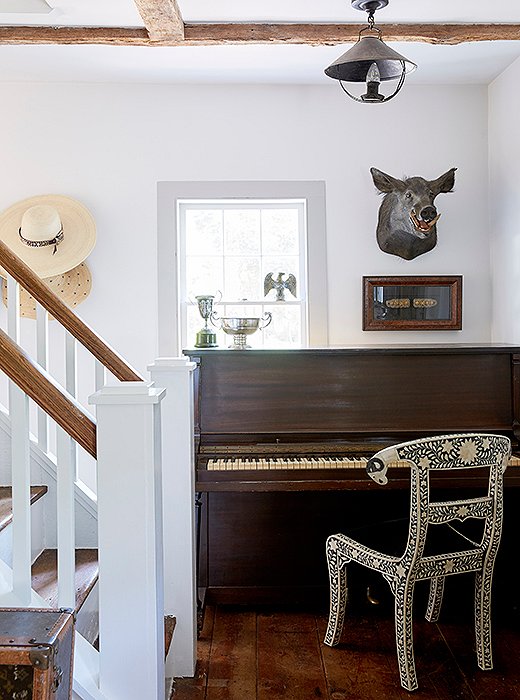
pixel 407 223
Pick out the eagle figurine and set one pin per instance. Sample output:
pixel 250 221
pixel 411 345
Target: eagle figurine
pixel 280 285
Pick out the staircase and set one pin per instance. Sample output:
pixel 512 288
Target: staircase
pixel 61 545
pixel 44 574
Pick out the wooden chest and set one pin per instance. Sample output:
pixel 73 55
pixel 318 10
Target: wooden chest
pixel 36 654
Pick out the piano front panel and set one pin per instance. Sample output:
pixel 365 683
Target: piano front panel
pixel 364 393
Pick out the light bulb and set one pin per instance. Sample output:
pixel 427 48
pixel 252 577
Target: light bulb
pixel 373 75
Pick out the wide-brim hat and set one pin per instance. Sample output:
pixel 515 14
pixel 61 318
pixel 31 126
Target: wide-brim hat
pixel 29 234
pixel 72 287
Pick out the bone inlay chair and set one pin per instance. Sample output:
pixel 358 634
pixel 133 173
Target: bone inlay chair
pixel 463 452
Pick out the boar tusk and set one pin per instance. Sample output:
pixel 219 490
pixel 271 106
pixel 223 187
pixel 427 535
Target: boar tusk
pixel 421 224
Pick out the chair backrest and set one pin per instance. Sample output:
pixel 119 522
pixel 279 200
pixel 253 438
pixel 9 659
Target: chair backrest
pixel 468 451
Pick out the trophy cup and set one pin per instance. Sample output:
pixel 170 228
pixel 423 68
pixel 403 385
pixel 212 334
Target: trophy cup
pixel 206 337
pixel 240 328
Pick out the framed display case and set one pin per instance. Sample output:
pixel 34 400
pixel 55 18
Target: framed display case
pixel 412 303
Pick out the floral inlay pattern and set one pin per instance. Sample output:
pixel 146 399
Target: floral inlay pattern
pixel 447 446
pixel 468 451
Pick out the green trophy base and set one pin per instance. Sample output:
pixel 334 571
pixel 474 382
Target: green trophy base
pixel 206 339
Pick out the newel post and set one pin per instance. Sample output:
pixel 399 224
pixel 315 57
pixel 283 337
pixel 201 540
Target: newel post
pixel 131 607
pixel 176 375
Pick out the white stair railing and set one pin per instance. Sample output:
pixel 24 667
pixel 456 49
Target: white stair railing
pixel 131 587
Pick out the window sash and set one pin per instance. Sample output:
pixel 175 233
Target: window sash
pixel 299 205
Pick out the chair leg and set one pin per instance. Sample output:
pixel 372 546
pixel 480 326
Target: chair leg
pixel 404 634
pixel 338 593
pixel 483 618
pixel 435 598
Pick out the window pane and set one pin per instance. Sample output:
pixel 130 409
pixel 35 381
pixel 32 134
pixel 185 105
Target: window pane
pixel 280 231
pixel 242 232
pixel 204 235
pixel 242 278
pixel 249 311
pixel 285 328
pixel 203 276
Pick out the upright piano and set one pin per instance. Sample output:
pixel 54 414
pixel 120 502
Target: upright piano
pixel 282 438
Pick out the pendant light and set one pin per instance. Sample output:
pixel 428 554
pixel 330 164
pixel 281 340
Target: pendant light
pixel 370 60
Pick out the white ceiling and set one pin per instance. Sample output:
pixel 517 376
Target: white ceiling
pixel 469 63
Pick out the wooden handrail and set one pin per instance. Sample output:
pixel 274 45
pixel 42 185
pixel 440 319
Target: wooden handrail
pixel 47 393
pixel 23 274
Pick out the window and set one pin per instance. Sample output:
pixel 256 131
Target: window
pixel 227 248
pixel 225 237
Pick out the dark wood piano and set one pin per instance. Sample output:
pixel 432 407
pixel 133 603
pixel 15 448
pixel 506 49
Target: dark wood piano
pixel 282 438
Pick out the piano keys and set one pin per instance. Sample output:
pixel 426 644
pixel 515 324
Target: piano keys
pixel 354 462
pixel 288 463
pixel 282 438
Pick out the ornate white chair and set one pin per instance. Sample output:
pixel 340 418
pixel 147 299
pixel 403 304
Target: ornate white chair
pixel 427 517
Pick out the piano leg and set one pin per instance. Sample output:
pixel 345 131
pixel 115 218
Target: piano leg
pixel 201 591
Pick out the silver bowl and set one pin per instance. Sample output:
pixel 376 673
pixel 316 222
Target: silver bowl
pixel 240 327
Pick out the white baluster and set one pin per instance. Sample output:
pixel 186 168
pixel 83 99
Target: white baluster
pixel 66 454
pixel 131 601
pixel 42 357
pixel 100 375
pixel 71 375
pixel 20 462
pixel 71 383
pixel 21 474
pixel 13 306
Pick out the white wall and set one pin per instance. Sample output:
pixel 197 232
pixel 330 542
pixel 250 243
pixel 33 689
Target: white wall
pixel 108 145
pixel 504 156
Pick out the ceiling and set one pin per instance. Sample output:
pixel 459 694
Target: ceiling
pixel 476 62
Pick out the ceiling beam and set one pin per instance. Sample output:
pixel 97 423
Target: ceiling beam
pixel 117 36
pixel 216 34
pixel 331 34
pixel 162 19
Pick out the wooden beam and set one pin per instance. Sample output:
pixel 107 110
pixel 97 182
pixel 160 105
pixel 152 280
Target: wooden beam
pixel 117 36
pixel 217 34
pixel 162 19
pixel 329 34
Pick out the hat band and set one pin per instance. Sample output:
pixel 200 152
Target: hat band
pixel 39 244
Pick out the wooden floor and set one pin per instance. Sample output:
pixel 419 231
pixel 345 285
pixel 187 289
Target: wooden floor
pixel 271 654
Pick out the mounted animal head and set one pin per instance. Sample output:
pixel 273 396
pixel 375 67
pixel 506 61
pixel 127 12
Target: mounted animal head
pixel 407 224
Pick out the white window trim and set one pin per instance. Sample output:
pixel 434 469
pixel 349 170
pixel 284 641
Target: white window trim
pixel 168 194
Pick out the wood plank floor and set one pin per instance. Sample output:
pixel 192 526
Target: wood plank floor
pixel 278 654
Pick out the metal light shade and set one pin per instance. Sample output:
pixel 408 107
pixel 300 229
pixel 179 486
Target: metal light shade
pixel 354 64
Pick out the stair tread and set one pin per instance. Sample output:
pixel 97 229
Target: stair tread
pixel 6 502
pixel 169 626
pixel 45 575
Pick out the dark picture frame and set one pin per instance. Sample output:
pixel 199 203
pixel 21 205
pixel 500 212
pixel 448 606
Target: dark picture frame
pixel 429 303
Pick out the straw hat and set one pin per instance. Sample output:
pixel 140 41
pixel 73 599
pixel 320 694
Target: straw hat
pixel 72 287
pixel 50 233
